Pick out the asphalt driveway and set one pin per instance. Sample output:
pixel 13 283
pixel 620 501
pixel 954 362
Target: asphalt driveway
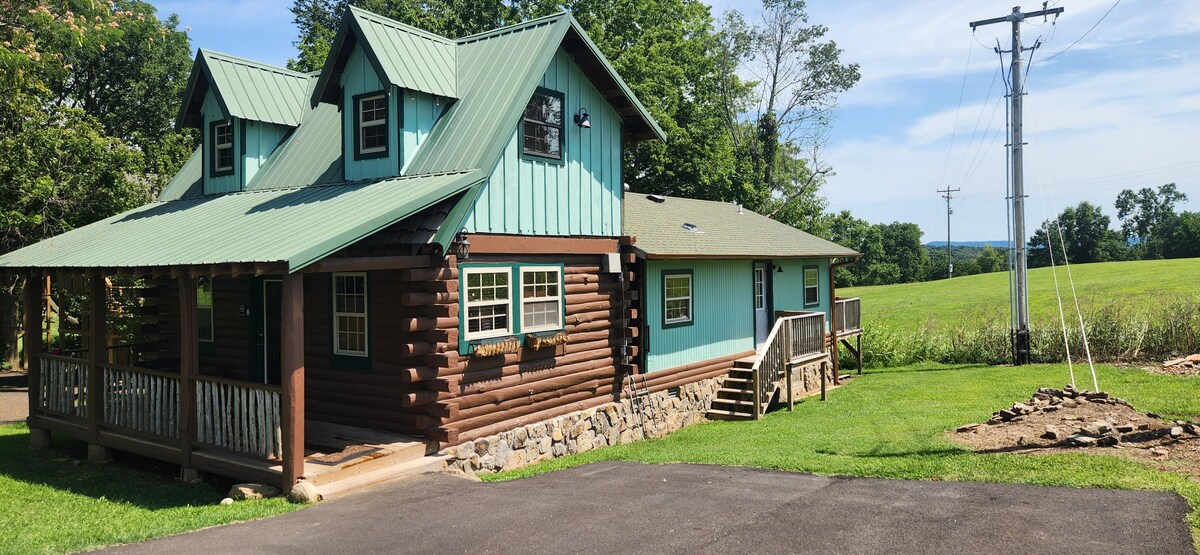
pixel 630 507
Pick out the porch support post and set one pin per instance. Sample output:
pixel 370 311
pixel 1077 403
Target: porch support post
pixel 32 313
pixel 97 358
pixel 833 327
pixel 291 361
pixel 189 365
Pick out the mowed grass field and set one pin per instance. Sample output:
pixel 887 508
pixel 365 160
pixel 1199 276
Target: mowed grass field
pixel 1139 310
pixel 1140 287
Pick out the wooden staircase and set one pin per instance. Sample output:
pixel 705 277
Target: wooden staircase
pixel 735 399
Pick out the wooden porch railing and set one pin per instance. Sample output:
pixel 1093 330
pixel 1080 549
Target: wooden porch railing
pixel 793 337
pixel 239 416
pixel 141 400
pixel 847 315
pixel 63 385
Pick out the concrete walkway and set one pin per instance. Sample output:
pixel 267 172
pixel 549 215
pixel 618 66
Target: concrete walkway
pixel 629 507
pixel 14 397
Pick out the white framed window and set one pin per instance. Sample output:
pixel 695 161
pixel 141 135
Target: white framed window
pixel 488 302
pixel 372 124
pixel 812 281
pixel 541 298
pixel 760 288
pixel 350 314
pixel 205 330
pixel 677 298
pixel 222 140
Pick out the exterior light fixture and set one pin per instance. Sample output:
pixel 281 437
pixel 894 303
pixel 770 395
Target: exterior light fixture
pixel 581 119
pixel 778 269
pixel 464 245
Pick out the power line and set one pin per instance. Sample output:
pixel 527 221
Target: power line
pixel 949 194
pixel 1089 31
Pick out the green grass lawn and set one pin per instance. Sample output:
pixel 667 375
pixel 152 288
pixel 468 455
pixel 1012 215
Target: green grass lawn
pixel 893 424
pixel 52 503
pixel 1138 286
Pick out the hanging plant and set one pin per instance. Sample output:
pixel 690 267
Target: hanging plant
pixel 495 347
pixel 543 340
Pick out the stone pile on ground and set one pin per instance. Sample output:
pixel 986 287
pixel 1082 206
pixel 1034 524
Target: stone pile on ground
pixel 1071 418
pixel 1188 366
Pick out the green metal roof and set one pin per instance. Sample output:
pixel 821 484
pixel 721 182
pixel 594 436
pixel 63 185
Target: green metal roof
pixel 244 89
pixel 722 230
pixel 310 155
pixel 188 181
pixel 296 226
pixel 402 55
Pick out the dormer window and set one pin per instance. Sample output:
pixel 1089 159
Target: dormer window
pixel 543 125
pixel 222 148
pixel 371 116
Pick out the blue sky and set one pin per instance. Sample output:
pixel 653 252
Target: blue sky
pixel 1120 109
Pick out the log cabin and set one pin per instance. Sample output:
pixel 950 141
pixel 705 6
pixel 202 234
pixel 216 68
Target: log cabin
pixel 416 256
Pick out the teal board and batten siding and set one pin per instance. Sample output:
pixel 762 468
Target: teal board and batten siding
pixel 228 183
pixel 787 287
pixel 580 195
pixel 411 116
pixel 260 141
pixel 723 312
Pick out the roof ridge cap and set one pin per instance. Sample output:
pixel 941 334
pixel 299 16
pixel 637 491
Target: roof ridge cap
pixel 259 65
pixel 515 27
pixel 399 25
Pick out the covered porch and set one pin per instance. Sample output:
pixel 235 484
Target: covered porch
pixel 163 398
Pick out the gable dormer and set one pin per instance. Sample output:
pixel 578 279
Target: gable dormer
pixel 392 82
pixel 243 110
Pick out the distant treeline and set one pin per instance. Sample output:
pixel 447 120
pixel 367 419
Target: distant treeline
pixel 1150 228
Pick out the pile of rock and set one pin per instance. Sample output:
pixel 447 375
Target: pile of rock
pixel 1186 365
pixel 1049 400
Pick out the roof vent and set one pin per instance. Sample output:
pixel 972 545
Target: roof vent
pixel 691 228
pixel 657 198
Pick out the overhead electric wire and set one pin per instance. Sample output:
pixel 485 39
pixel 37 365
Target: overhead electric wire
pixel 954 130
pixel 1089 31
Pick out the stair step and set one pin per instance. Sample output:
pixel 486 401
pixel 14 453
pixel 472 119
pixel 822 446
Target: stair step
pixel 738 402
pixel 424 465
pixel 718 414
pixel 732 380
pixel 733 391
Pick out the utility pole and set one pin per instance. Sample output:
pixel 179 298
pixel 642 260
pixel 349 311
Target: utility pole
pixel 1021 345
pixel 949 252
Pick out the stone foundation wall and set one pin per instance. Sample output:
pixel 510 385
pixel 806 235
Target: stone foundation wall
pixel 610 424
pixel 806 380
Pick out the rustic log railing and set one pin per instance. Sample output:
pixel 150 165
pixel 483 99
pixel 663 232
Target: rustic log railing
pixel 127 354
pixel 847 315
pixel 793 337
pixel 141 400
pixel 239 416
pixel 63 385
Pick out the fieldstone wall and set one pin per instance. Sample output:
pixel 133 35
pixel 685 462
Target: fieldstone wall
pixel 806 380
pixel 660 413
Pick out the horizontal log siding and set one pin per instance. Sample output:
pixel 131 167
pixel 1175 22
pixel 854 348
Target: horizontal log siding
pixel 229 357
pixel 495 392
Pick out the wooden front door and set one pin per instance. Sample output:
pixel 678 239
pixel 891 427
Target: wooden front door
pixel 761 320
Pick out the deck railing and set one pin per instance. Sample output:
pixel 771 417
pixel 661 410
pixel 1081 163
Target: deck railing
pixel 239 416
pixel 63 385
pixel 141 400
pixel 847 315
pixel 792 338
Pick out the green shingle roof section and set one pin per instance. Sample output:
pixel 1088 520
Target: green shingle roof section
pixel 310 155
pixel 722 230
pixel 297 226
pixel 245 89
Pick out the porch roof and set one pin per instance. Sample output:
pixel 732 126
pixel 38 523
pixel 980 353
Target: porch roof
pixel 718 230
pixel 294 226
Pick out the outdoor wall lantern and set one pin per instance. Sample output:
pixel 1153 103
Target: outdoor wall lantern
pixel 778 269
pixel 464 245
pixel 582 120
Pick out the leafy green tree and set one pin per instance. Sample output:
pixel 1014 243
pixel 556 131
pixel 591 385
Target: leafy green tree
pixel 1142 212
pixel 991 260
pixel 89 92
pixel 902 247
pixel 1085 234
pixel 1182 236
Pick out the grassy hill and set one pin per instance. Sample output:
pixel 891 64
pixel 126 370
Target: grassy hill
pixel 1139 309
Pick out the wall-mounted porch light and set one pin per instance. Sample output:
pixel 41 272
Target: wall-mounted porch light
pixel 464 245
pixel 582 119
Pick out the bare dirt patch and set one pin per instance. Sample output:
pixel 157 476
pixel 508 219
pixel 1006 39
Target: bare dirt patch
pixel 1066 420
pixel 1186 366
